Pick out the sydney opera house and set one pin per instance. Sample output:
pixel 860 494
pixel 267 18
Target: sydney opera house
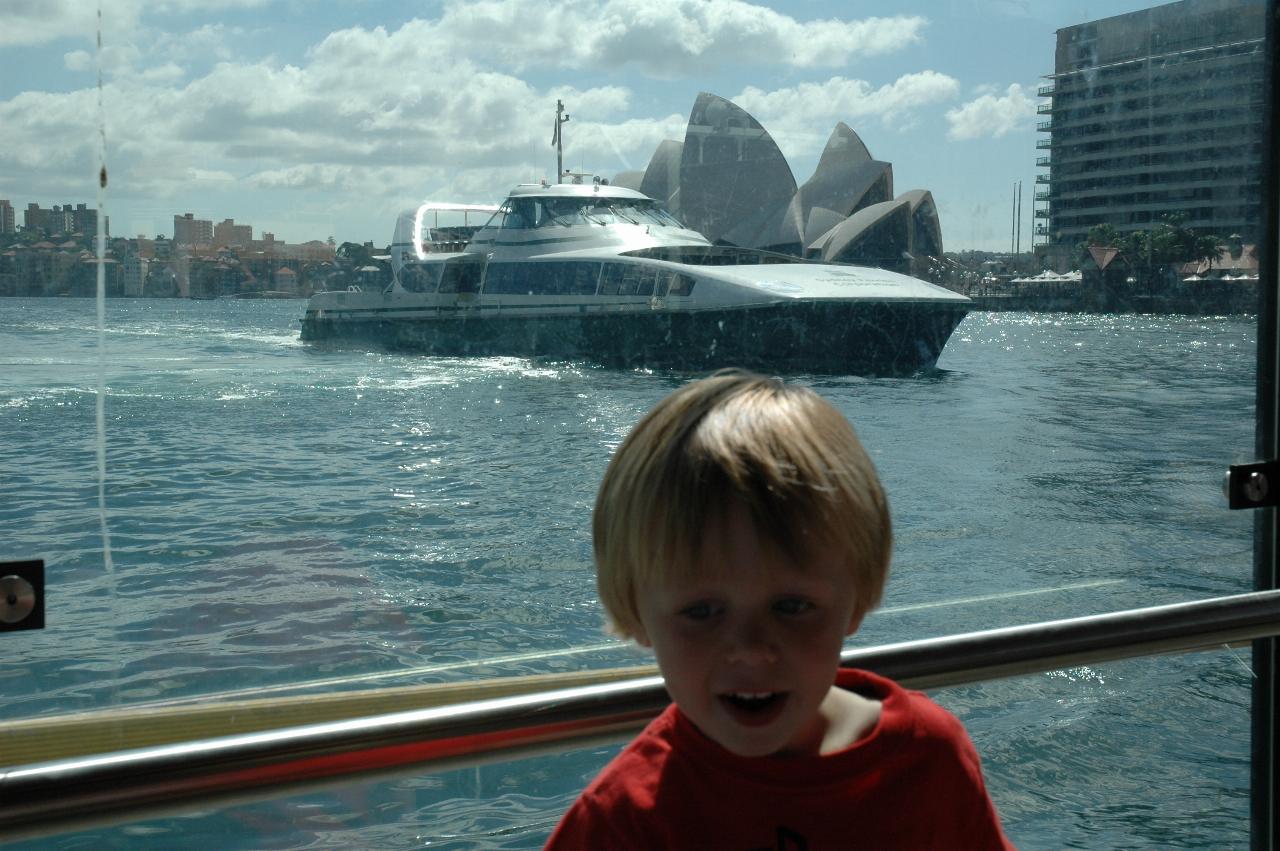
pixel 729 181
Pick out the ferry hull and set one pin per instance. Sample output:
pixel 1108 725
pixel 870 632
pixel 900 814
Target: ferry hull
pixel 862 338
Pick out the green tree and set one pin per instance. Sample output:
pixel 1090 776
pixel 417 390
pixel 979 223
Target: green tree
pixel 1169 242
pixel 353 255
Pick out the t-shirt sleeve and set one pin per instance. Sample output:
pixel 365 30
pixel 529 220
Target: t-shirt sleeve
pixel 979 822
pixel 588 826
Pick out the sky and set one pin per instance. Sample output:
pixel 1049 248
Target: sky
pixel 313 119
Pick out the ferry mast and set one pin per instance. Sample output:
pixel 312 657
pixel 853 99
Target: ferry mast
pixel 558 140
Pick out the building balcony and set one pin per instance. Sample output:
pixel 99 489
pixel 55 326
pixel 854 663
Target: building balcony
pixel 1046 91
pixel 1045 109
pixel 1045 125
pixel 1042 196
pixel 1041 213
pixel 1043 161
pixel 1044 143
pixel 1174 151
pixel 1225 171
pixel 1043 178
pixel 1042 230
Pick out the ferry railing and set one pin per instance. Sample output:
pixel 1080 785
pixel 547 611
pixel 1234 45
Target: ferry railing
pixel 100 789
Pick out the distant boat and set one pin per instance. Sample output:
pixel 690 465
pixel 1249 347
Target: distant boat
pixel 604 274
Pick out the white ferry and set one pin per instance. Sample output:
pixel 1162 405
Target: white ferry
pixel 604 274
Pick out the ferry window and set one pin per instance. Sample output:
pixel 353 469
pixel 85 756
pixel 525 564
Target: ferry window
pixel 288 517
pixel 420 279
pixel 681 285
pixel 499 278
pixel 646 213
pixel 633 280
pixel 664 282
pixel 648 279
pixel 600 214
pixel 550 278
pixel 567 278
pixel 521 214
pixel 461 277
pixel 586 278
pixel 611 278
pixel 562 211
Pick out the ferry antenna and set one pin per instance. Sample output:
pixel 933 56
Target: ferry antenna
pixel 557 139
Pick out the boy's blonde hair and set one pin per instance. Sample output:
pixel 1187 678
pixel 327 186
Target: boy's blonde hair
pixel 780 450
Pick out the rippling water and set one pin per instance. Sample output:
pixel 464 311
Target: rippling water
pixel 281 514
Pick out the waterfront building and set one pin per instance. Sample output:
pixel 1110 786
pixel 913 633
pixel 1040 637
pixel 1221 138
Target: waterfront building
pixel 228 233
pixel 285 280
pixel 35 220
pixel 83 220
pixel 60 220
pixel 188 230
pixel 134 273
pixel 8 223
pixel 1154 113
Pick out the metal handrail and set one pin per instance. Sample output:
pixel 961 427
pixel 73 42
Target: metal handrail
pixel 66 794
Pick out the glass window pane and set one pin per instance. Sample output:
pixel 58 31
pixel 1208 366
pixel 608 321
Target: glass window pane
pixel 411 503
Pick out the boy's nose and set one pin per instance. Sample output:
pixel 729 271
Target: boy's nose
pixel 751 643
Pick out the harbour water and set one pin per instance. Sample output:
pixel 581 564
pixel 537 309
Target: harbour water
pixel 281 514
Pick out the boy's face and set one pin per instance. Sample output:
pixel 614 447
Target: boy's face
pixel 749 649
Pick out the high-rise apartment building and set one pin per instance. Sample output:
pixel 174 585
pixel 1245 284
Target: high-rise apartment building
pixel 84 219
pixel 34 219
pixel 228 233
pixel 8 222
pixel 188 230
pixel 60 220
pixel 1154 113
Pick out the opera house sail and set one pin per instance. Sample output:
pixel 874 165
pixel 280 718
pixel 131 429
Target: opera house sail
pixel 729 181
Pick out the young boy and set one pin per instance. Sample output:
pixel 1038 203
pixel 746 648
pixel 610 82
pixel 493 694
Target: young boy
pixel 741 532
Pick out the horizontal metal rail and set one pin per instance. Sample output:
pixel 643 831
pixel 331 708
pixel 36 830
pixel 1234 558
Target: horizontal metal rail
pixel 53 797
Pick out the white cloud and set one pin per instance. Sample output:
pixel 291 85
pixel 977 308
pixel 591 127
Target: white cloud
pixel 664 38
pixel 661 37
pixel 391 115
pixel 800 118
pixel 213 40
pixel 210 178
pixel 78 60
pixel 307 177
pixel 28 22
pixel 991 115
pixel 178 7
pixel 36 22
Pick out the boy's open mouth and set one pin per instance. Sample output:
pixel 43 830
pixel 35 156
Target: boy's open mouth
pixel 754 707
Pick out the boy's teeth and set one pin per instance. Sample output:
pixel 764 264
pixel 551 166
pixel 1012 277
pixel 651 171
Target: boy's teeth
pixel 752 695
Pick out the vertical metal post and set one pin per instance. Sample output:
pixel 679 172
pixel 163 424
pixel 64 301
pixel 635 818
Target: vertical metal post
pixel 1264 808
pixel 1018 226
pixel 558 140
pixel 1013 218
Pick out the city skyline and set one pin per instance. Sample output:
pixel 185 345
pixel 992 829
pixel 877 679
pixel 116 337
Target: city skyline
pixel 203 231
pixel 315 120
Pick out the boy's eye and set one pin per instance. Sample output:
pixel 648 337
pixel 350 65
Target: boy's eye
pixel 792 606
pixel 698 611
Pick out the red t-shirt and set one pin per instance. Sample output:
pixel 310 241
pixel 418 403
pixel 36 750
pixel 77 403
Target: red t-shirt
pixel 914 782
